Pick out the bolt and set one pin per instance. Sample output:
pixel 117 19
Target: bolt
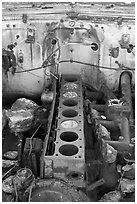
pixel 121 138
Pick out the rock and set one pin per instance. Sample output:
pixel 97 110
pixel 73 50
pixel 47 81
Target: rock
pixel 24 104
pixel 8 163
pixel 129 171
pixel 105 134
pixel 20 115
pixel 48 168
pixel 127 185
pixel 11 154
pixel 19 121
pixel 7 185
pixel 95 114
pixel 4 119
pixel 111 154
pixel 113 196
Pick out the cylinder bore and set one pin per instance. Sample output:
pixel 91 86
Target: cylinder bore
pixel 70 85
pixel 69 136
pixel 70 102
pixel 68 150
pixel 69 113
pixel 70 94
pixel 70 79
pixel 69 124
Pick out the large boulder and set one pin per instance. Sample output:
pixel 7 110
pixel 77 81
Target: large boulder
pixel 21 116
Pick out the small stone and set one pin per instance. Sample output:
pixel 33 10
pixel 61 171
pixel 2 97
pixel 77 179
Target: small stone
pixel 95 114
pixel 8 163
pixel 111 154
pixel 11 154
pixel 113 196
pixel 129 171
pixel 127 185
pixel 7 185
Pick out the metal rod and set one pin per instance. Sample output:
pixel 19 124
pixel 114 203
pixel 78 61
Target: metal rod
pixel 126 92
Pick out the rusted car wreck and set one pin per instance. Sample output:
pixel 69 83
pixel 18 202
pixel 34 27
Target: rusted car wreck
pixel 68 102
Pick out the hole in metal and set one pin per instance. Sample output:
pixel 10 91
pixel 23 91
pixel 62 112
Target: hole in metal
pixel 68 136
pixel 70 85
pixel 69 124
pixel 70 79
pixel 94 46
pixel 70 102
pixel 70 94
pixel 68 150
pixel 69 113
pixel 74 175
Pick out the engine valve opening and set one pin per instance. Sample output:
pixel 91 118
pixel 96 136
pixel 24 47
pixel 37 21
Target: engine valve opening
pixel 70 102
pixel 69 124
pixel 70 94
pixel 68 150
pixel 70 79
pixel 70 85
pixel 69 113
pixel 69 136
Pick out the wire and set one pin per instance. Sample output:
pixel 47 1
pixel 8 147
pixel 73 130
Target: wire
pixel 30 142
pixel 29 70
pixel 30 191
pixel 30 73
pixel 71 61
pixel 88 64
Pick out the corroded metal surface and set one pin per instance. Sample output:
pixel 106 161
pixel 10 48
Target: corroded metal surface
pixel 54 190
pixel 83 37
pixel 69 154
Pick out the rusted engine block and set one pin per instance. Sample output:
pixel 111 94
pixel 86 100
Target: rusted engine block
pixel 68 160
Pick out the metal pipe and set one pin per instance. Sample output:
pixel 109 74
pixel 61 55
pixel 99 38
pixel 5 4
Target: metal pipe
pixel 123 145
pixel 119 145
pixel 110 125
pixel 100 108
pixel 124 129
pixel 125 83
